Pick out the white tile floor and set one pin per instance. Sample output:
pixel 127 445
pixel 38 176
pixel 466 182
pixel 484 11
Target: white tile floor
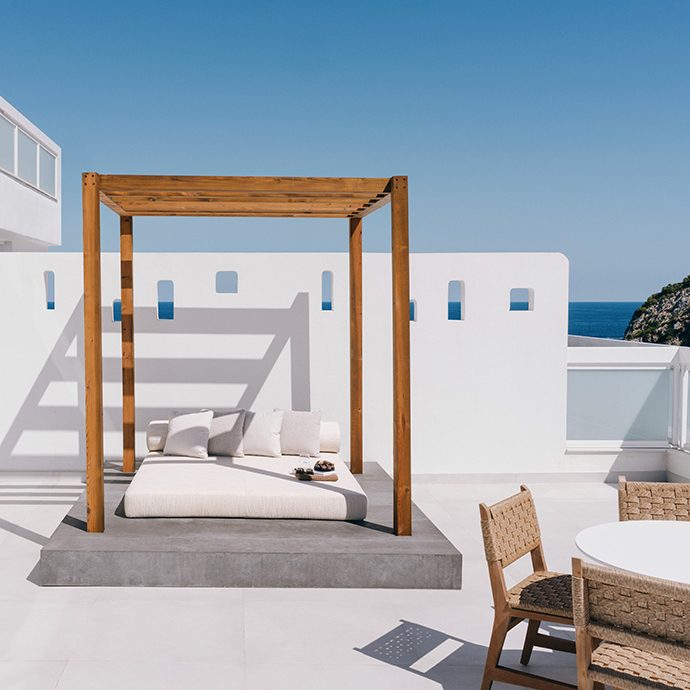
pixel 114 638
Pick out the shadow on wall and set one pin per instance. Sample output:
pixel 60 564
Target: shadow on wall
pixel 65 364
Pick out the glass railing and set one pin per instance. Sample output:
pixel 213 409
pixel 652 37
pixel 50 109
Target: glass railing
pixel 619 406
pixel 687 415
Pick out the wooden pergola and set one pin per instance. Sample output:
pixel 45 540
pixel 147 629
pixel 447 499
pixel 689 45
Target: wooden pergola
pixel 265 197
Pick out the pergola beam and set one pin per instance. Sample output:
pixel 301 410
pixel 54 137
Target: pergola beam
pixel 171 183
pixel 222 206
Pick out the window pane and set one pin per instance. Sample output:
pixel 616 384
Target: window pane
pixel 619 405
pixel 327 291
pixel 226 282
pixel 47 172
pixel 166 300
pixel 26 162
pixel 521 299
pixel 456 296
pixel 6 145
pixel 49 281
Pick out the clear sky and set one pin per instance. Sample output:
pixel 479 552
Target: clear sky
pixel 522 125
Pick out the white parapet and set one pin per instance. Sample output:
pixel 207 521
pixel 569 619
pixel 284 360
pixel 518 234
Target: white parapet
pixel 488 389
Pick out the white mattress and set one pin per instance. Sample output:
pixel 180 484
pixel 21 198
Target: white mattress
pixel 249 487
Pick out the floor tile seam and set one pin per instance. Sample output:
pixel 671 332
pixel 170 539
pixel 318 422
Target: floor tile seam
pixel 62 674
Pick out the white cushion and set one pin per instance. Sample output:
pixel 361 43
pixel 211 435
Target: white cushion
pixel 156 433
pixel 262 433
pixel 300 433
pixel 225 437
pixel 188 434
pixel 249 487
pixel 330 437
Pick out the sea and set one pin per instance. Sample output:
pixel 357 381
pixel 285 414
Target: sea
pixel 600 319
pixel 594 319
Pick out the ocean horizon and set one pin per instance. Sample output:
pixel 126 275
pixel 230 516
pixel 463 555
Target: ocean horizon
pixel 600 319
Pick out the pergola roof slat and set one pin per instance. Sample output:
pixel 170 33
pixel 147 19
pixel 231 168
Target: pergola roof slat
pixel 234 194
pixel 245 214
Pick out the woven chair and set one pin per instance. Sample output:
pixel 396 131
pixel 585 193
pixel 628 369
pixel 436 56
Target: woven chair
pixel 653 500
pixel 511 530
pixel 633 632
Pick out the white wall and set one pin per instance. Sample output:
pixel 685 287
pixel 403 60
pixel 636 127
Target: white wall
pixel 488 392
pixel 29 219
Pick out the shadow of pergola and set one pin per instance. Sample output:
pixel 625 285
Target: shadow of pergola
pixel 286 327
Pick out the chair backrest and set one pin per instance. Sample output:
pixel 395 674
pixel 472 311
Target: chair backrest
pixel 510 528
pixel 653 500
pixel 632 610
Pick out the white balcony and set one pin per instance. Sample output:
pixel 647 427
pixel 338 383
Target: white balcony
pixel 30 184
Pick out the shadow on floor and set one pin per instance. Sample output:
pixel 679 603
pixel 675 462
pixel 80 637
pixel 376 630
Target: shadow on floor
pixel 454 663
pixel 75 522
pixel 36 495
pixel 22 532
pixel 40 494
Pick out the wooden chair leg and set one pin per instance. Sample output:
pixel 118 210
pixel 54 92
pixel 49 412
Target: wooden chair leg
pixel 530 639
pixel 493 655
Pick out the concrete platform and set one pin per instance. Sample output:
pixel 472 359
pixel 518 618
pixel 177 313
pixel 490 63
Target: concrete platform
pixel 194 552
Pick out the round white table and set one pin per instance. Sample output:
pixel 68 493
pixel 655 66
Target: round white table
pixel 657 548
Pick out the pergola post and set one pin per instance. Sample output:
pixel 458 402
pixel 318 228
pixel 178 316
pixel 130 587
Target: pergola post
pixel 400 252
pixel 356 460
pixel 127 330
pixel 93 354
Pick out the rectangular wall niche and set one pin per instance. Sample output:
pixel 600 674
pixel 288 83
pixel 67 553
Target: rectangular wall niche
pixel 49 281
pixel 522 299
pixel 226 282
pixel 166 300
pixel 327 291
pixel 456 300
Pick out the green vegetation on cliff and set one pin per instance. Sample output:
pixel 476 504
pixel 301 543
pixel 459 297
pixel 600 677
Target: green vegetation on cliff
pixel 664 317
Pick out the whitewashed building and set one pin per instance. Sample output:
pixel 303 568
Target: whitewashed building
pixel 30 185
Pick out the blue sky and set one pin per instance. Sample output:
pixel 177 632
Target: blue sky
pixel 523 126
